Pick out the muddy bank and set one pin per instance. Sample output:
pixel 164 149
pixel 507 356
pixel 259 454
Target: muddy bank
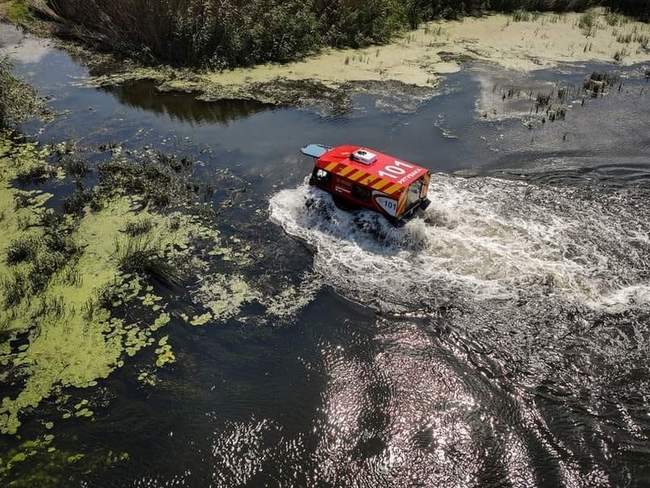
pixel 411 66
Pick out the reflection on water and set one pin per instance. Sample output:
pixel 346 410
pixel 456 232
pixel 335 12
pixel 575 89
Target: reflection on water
pixel 24 50
pixel 501 340
pixel 183 107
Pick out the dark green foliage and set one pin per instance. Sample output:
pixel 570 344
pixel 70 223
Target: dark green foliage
pixel 636 8
pixel 226 33
pixel 214 33
pixel 75 167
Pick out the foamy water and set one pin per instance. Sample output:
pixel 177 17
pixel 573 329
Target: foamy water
pixel 487 238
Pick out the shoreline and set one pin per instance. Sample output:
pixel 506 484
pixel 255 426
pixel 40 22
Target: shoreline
pixel 413 63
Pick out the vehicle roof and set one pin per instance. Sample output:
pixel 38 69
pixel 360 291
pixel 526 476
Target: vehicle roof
pixel 379 175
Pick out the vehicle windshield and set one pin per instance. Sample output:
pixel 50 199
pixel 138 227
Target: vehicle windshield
pixel 414 192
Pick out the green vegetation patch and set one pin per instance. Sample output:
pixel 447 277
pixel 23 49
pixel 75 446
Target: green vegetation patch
pixel 40 463
pixel 223 296
pixel 18 100
pixel 18 12
pixel 60 277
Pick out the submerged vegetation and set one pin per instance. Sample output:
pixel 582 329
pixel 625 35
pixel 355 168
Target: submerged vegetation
pixel 64 275
pixel 89 283
pixel 223 34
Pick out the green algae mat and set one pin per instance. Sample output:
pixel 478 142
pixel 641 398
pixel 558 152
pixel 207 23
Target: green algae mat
pixel 65 276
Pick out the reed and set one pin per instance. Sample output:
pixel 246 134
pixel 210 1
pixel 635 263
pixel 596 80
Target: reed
pixel 142 256
pixel 221 34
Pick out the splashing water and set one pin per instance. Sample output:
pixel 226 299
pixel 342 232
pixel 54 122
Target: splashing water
pixel 482 238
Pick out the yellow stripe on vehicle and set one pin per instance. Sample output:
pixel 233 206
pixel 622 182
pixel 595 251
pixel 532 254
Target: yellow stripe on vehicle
pixel 380 184
pixel 345 171
pixel 357 175
pixel 392 189
pixel 401 207
pixel 366 181
pixel 331 166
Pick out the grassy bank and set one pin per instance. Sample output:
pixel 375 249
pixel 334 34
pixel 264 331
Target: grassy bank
pixel 412 64
pixel 221 34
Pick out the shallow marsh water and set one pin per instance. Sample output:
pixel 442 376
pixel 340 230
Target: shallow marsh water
pixel 500 340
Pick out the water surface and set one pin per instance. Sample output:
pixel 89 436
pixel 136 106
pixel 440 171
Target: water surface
pixel 499 340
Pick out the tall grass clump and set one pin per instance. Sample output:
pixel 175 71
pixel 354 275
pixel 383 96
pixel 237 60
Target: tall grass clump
pixel 588 23
pixel 33 260
pixel 139 255
pixel 521 16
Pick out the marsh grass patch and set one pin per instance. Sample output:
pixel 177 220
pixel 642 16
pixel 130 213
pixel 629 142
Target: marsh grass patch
pixel 588 23
pixel 521 15
pixel 598 82
pixel 143 256
pixel 14 288
pixel 34 258
pixel 81 198
pixel 138 227
pixel 18 100
pixel 21 249
pixel 75 167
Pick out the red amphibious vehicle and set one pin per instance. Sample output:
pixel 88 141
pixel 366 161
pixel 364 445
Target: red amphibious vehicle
pixel 360 177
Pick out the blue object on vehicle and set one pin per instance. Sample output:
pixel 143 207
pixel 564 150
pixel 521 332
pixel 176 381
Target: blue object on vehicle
pixel 315 150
